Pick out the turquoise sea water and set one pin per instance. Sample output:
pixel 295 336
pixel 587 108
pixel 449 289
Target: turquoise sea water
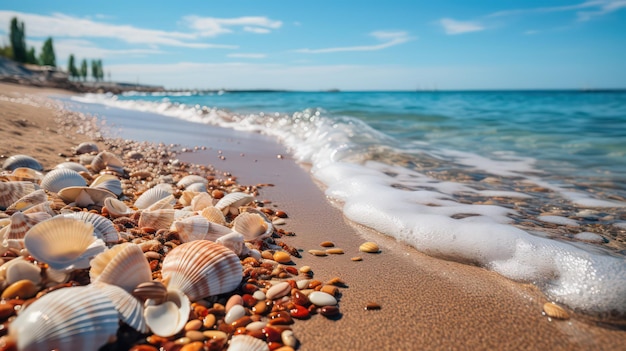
pixel 530 184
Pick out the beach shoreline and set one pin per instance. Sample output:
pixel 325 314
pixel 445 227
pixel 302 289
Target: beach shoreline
pixel 426 303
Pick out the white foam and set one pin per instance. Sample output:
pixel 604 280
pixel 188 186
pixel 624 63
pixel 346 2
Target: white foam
pixel 589 236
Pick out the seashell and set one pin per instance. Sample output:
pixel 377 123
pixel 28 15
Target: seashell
pixel 152 195
pixel 165 203
pixel 108 182
pixel 555 311
pixel 199 187
pixel 107 160
pixel 123 265
pixel 27 201
pixel 235 242
pixel 201 268
pixel 116 208
pixel 253 226
pixel 86 159
pixel 21 223
pixel 73 166
pixel 212 214
pixel 170 317
pixel 370 247
pixel 56 277
pixel 84 196
pixel 320 298
pixel 58 179
pixel 134 155
pixel 10 192
pixel 230 203
pixel 244 342
pixel 201 201
pixel 74 318
pixel 158 219
pixel 23 174
pixel 103 227
pixel 19 269
pixel 153 290
pixel 191 179
pixel 42 207
pixel 63 243
pixel 86 148
pixel 130 310
pixel 198 228
pixel 17 161
pixel 187 196
pixel 142 174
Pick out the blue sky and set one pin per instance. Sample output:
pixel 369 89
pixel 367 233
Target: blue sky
pixel 348 45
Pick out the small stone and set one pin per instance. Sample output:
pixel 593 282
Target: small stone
pixel 369 247
pixel 215 334
pixel 305 269
pixel 357 258
pixel 318 252
pixel 288 338
pixel 279 290
pixel 335 251
pixel 320 298
pixel 280 214
pixel 236 312
pixel 372 306
pixel 327 244
pixel 282 257
pixel 329 311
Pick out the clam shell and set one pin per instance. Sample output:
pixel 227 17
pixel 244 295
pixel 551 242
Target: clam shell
pixel 123 265
pixel 85 148
pixel 199 187
pixel 130 309
pixel 17 161
pixel 201 201
pixel 213 214
pixel 198 228
pixel 107 160
pixel 42 207
pixel 370 247
pixel 165 203
pixel 108 182
pixel 152 195
pixel 116 208
pixel 63 243
pixel 187 196
pixel 10 192
pixel 253 226
pixel 103 228
pixel 158 219
pixel 21 223
pixel 230 203
pixel 244 342
pixel 201 268
pixel 234 241
pixel 32 199
pixel 74 318
pixel 60 178
pixel 84 196
pixel 23 174
pixel 73 166
pixel 191 179
pixel 555 311
pixel 170 317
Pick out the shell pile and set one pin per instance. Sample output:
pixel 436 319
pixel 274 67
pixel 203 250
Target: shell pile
pixel 136 250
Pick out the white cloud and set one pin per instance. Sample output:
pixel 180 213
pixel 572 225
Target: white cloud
pixel 453 27
pixel 389 39
pixel 250 56
pixel 81 48
pixel 211 26
pixel 585 11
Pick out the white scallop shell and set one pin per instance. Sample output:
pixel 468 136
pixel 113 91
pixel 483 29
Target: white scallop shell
pixel 187 196
pixel 191 228
pixel 117 208
pixel 158 219
pixel 230 202
pixel 13 191
pixel 131 310
pixel 201 201
pixel 169 317
pixel 27 201
pixel 152 195
pixel 84 196
pixel 42 207
pixel 213 214
pixel 253 226
pixel 107 160
pixel 17 161
pixel 60 178
pixel 123 265
pixel 165 203
pixel 74 318
pixel 191 179
pixel 63 243
pixel 108 182
pixel 244 342
pixel 85 148
pixel 201 268
pixel 103 228
pixel 234 241
pixel 199 187
pixel 72 165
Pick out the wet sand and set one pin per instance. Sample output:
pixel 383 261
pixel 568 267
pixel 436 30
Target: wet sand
pixel 426 303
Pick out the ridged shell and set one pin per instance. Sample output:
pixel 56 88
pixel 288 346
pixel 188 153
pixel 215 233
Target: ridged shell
pixel 191 228
pixel 370 247
pixel 234 241
pixel 212 214
pixel 187 196
pixel 103 228
pixel 61 178
pixel 201 268
pixel 153 290
pixel 252 225
pixel 230 202
pixel 108 182
pixel 244 342
pixel 191 179
pixel 42 207
pixel 30 200
pixel 74 318
pixel 17 161
pixel 130 310
pixel 84 196
pixel 21 223
pixel 199 187
pixel 63 243
pixel 73 166
pixel 201 201
pixel 158 219
pixel 169 317
pixel 85 148
pixel 555 311
pixel 163 204
pixel 23 174
pixel 116 208
pixel 13 191
pixel 107 160
pixel 123 265
pixel 152 195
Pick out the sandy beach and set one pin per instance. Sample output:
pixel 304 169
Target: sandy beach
pixel 426 303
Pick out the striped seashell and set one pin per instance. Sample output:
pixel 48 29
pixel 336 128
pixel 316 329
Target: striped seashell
pixel 63 243
pixel 23 174
pixel 61 178
pixel 168 318
pixel 17 161
pixel 42 207
pixel 158 219
pixel 13 191
pixel 108 182
pixel 165 203
pixel 152 195
pixel 198 228
pixel 199 187
pixel 74 318
pixel 86 159
pixel 103 228
pixel 212 214
pixel 230 203
pixel 235 242
pixel 106 160
pixel 28 201
pixel 153 290
pixel 21 223
pixel 19 269
pixel 244 342
pixel 73 166
pixel 187 196
pixel 253 226
pixel 86 148
pixel 123 265
pixel 131 310
pixel 116 208
pixel 84 196
pixel 191 179
pixel 201 268
pixel 201 201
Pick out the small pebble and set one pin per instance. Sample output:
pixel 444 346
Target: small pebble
pixel 555 311
pixel 327 244
pixel 318 252
pixel 357 258
pixel 334 251
pixel 320 298
pixel 372 306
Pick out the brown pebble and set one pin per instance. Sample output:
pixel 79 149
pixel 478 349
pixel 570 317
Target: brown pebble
pixel 193 346
pixel 194 335
pixel 318 252
pixel 357 258
pixel 215 334
pixel 555 311
pixel 23 289
pixel 336 281
pixel 280 214
pixel 209 321
pixel 329 311
pixel 371 306
pixel 330 289
pixel 327 244
pixel 194 324
pixel 6 310
pixel 282 257
pixel 143 347
pixel 335 251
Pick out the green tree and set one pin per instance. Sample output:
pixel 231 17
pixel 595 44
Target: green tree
pixel 47 57
pixel 71 67
pixel 100 70
pixel 18 40
pixel 83 69
pixel 31 57
pixel 94 70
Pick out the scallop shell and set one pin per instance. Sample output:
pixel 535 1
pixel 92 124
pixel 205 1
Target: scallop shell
pixel 169 317
pixel 130 310
pixel 103 228
pixel 28 201
pixel 84 196
pixel 244 342
pixel 116 208
pixel 187 196
pixel 235 242
pixel 253 226
pixel 212 214
pixel 21 223
pixel 152 195
pixel 85 148
pixel 74 318
pixel 201 201
pixel 42 207
pixel 201 268
pixel 158 219
pixel 191 179
pixel 123 265
pixel 13 191
pixel 555 311
pixel 63 243
pixel 230 202
pixel 108 182
pixel 23 174
pixel 198 228
pixel 60 178
pixel 107 160
pixel 199 187
pixel 370 247
pixel 163 204
pixel 17 161
pixel 73 166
